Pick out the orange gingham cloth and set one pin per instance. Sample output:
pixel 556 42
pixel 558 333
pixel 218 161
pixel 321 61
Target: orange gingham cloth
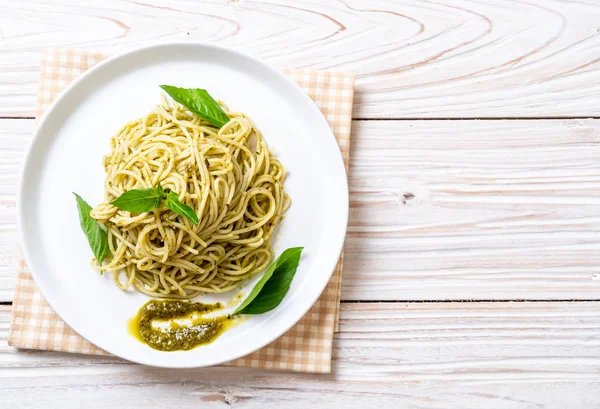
pixel 304 348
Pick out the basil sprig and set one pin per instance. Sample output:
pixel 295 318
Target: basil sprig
pixel 269 291
pixel 173 203
pixel 96 235
pixel 140 200
pixel 145 200
pixel 199 102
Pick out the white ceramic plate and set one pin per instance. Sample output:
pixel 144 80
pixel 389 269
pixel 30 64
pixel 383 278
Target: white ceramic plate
pixel 66 156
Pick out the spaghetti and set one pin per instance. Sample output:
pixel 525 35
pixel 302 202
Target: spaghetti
pixel 227 175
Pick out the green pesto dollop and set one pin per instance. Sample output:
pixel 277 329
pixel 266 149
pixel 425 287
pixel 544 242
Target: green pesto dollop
pixel 176 337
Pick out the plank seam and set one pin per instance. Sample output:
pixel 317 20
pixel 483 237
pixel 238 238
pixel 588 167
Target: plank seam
pixel 523 118
pixel 483 118
pixel 465 301
pixel 9 303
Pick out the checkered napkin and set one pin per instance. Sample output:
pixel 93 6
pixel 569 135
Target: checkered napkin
pixel 304 348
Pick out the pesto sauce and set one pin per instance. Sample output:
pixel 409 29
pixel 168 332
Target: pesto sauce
pixel 177 337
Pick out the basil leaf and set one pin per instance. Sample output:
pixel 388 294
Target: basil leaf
pixel 140 200
pixel 176 206
pixel 96 235
pixel 160 191
pixel 199 102
pixel 268 293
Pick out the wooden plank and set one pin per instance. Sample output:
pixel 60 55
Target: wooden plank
pixel 474 210
pixel 442 209
pixel 419 355
pixel 414 59
pixel 15 135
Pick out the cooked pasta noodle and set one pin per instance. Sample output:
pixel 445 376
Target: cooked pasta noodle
pixel 227 175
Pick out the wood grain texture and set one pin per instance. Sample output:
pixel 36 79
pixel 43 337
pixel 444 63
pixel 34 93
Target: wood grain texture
pixel 14 138
pixel 414 59
pixel 474 210
pixel 442 210
pixel 424 355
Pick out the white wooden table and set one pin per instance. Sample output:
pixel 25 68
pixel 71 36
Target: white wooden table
pixel 472 274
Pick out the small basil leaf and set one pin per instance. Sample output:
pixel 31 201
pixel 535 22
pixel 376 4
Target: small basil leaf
pixel 269 291
pixel 199 102
pixel 160 191
pixel 139 200
pixel 182 209
pixel 96 235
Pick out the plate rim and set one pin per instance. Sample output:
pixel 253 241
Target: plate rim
pixel 26 164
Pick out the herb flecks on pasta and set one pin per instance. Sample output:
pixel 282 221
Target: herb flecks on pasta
pixel 228 177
